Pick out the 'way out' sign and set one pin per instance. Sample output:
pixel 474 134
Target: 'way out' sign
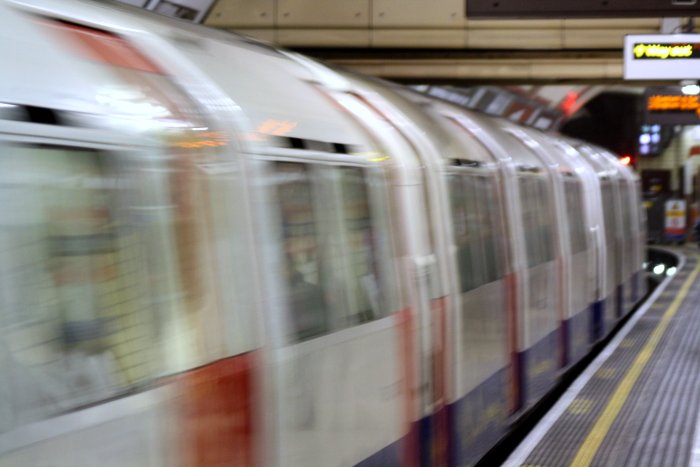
pixel 662 56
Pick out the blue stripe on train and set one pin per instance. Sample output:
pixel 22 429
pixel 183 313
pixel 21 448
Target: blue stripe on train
pixel 393 455
pixel 478 420
pixel 475 423
pixel 579 337
pixel 390 456
pixel 540 365
pixel 598 320
pixel 619 301
pixel 635 287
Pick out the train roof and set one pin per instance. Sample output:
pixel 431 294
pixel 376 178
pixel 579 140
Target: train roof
pixel 274 92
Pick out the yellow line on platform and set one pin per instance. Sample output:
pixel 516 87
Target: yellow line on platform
pixel 600 429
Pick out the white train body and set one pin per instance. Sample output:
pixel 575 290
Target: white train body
pixel 217 253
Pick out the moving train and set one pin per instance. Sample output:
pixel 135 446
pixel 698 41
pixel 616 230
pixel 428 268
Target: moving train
pixel 220 253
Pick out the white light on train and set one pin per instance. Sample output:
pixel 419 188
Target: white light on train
pixel 659 269
pixel 691 89
pixel 671 271
pixel 645 264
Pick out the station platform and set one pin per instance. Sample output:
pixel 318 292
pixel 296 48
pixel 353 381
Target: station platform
pixel 638 403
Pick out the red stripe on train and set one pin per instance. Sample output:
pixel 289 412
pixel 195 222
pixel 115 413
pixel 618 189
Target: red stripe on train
pixel 440 349
pixel 407 346
pixel 216 413
pixel 564 339
pixel 511 281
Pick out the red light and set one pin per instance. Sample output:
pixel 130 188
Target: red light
pixel 570 103
pixel 625 160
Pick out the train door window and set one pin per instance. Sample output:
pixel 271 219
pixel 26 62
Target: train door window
pixel 309 310
pixel 493 233
pixel 470 261
pixel 575 214
pixel 361 249
pixel 87 281
pixel 641 212
pixel 608 197
pixel 629 202
pixel 536 206
pixel 478 229
pixel 625 214
pixel 223 279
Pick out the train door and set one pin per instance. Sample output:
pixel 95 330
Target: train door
pixel 479 339
pixel 482 358
pixel 412 204
pixel 627 234
pixel 639 274
pixel 579 245
pixel 628 242
pixel 338 367
pixel 608 189
pixel 634 233
pixel 533 237
pixel 603 206
pixel 428 141
pixel 542 354
pixel 562 179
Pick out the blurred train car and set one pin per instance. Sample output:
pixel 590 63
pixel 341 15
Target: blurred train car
pixel 219 253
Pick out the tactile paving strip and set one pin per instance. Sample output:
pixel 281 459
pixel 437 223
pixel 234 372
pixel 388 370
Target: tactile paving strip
pixel 640 408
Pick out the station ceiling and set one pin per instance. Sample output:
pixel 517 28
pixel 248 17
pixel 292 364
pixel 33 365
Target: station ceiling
pixel 416 40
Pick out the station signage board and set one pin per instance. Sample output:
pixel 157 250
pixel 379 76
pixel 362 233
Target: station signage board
pixel 480 9
pixel 675 219
pixel 668 105
pixel 662 56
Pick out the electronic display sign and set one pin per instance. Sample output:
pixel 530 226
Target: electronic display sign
pixel 668 105
pixel 484 9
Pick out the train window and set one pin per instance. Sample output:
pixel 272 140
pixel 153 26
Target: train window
pixel 493 232
pixel 608 198
pixel 86 282
pixel 302 248
pixel 361 249
pixel 627 194
pixel 337 250
pixel 223 258
pixel 536 206
pixel 467 239
pixel 641 211
pixel 478 229
pixel 575 214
